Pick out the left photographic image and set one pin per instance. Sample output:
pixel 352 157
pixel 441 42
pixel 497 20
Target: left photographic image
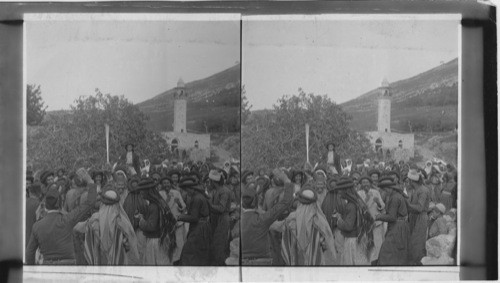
pixel 132 140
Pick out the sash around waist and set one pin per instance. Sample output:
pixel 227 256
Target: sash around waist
pixel 204 219
pixel 402 218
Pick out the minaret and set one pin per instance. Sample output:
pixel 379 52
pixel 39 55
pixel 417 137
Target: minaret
pixel 180 106
pixel 384 108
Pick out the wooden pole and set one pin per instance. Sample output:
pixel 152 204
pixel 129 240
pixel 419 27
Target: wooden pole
pixel 107 142
pixel 307 142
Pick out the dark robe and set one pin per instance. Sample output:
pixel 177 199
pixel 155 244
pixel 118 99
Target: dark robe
pixel 272 197
pixel 31 207
pixel 220 206
pixel 331 204
pixel 329 207
pixel 197 247
pixel 449 196
pixel 136 162
pixel 418 219
pixel 336 161
pixel 135 203
pixel 394 249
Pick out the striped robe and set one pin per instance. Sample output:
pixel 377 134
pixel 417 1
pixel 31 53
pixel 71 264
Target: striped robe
pixel 307 238
pixel 105 234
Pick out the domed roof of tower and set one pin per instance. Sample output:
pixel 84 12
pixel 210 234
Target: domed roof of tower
pixel 180 83
pixel 385 83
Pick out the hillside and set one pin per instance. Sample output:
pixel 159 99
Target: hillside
pixel 213 104
pixel 425 102
pixel 440 145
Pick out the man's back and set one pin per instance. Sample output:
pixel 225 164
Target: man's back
pixel 254 238
pixel 255 227
pixel 54 236
pixel 53 233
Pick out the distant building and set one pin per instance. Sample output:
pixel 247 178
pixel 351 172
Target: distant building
pixel 187 145
pixel 387 144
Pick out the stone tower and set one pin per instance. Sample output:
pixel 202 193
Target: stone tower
pixel 180 107
pixel 384 108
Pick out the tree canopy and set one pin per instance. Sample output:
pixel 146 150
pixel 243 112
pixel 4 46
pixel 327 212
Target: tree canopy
pixel 77 137
pixel 277 137
pixel 245 106
pixel 35 109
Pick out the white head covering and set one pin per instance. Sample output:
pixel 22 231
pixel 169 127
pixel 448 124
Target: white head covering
pixel 440 207
pixel 413 175
pixel 214 175
pixel 309 217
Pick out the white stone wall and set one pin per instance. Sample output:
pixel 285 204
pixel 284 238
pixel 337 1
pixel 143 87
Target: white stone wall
pixel 390 141
pixel 186 142
pixel 180 109
pixel 384 115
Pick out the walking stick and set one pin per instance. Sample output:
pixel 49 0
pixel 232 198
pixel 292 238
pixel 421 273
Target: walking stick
pixel 107 142
pixel 307 142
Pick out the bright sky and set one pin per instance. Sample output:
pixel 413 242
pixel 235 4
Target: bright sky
pixel 137 59
pixel 342 58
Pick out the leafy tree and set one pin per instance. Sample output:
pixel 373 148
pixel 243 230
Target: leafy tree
pixel 77 138
pixel 35 108
pixel 245 107
pixel 277 138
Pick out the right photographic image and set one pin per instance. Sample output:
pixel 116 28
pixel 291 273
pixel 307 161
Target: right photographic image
pixel 349 140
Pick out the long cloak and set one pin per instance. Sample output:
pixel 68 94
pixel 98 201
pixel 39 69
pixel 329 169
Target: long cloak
pixel 307 238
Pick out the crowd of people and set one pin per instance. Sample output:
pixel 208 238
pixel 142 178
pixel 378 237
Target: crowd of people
pixel 339 213
pixel 171 213
pixel 195 214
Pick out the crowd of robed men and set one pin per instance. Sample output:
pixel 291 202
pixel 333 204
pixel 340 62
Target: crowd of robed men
pixel 373 213
pixel 171 213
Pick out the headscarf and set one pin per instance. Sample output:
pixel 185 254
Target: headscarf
pixel 112 219
pixel 309 216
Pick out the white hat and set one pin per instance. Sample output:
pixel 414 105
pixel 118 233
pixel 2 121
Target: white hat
pixel 111 194
pixel 413 175
pixel 214 175
pixel 440 207
pixel 320 171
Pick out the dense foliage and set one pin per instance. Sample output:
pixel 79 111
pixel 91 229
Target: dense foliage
pixel 35 109
pixel 277 138
pixel 245 106
pixel 77 138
